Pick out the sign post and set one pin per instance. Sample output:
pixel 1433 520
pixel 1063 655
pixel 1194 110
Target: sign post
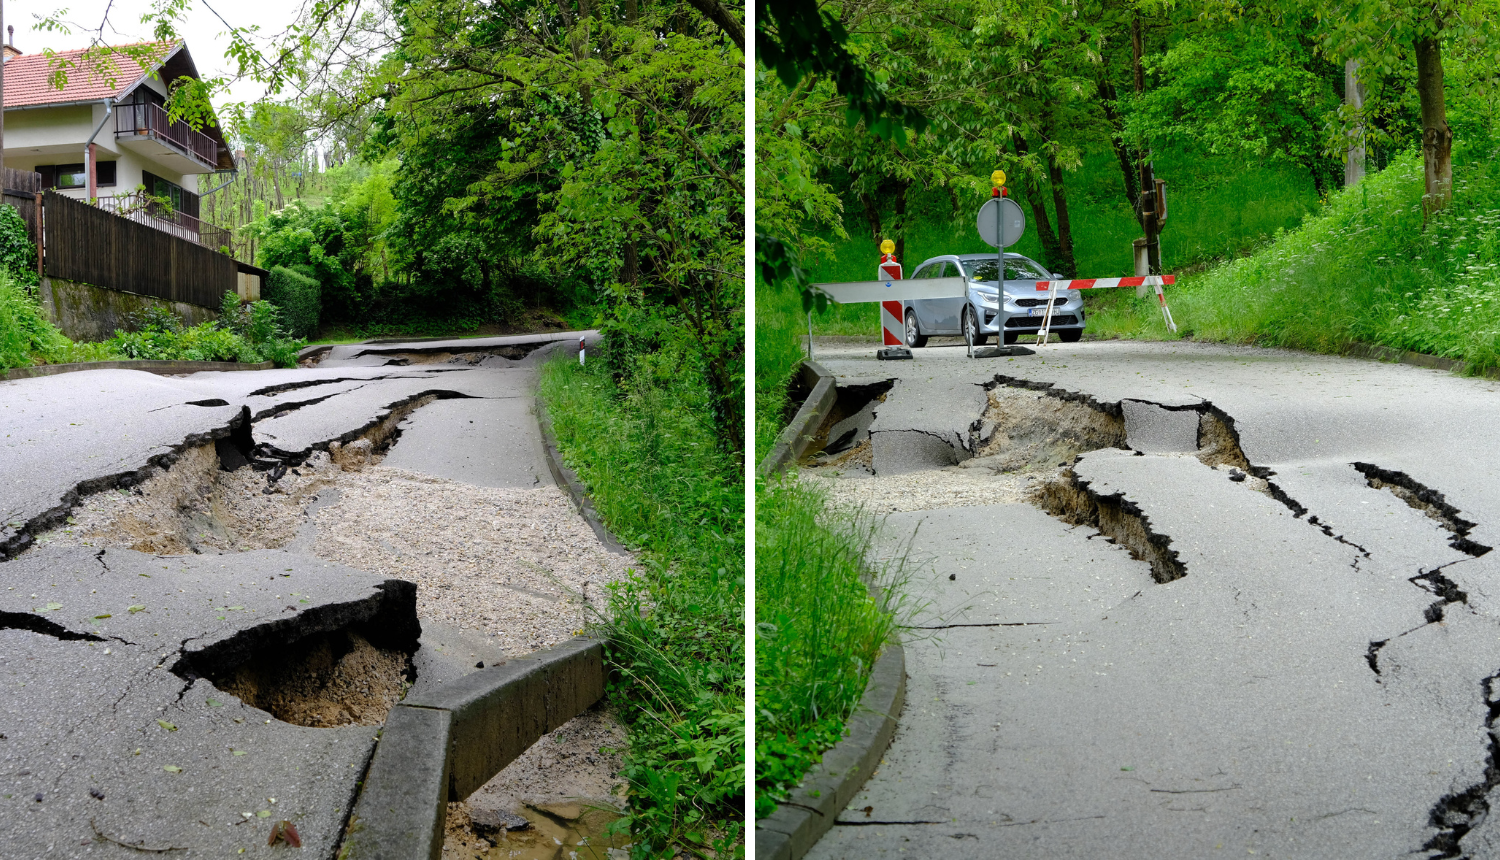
pixel 1001 223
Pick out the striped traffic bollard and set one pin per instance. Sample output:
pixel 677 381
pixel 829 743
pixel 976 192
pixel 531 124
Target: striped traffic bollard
pixel 581 345
pixel 892 313
pixel 1052 287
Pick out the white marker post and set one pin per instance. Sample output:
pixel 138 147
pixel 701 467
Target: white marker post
pixel 580 351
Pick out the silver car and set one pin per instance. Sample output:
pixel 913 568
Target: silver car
pixel 982 311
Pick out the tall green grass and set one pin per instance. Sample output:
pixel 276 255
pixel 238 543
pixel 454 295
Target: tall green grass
pixel 1364 269
pixel 660 481
pixel 27 338
pixel 819 628
pixel 822 617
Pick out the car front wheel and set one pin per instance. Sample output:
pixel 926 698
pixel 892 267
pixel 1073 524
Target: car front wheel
pixel 914 338
pixel 1071 335
pixel 971 328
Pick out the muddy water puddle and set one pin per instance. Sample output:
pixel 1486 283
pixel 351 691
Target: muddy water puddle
pixel 586 838
pixel 552 831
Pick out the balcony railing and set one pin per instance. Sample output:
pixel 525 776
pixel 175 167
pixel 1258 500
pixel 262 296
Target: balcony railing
pixel 149 119
pixel 151 212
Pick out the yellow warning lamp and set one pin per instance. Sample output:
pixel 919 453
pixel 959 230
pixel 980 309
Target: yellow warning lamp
pixel 998 178
pixel 887 247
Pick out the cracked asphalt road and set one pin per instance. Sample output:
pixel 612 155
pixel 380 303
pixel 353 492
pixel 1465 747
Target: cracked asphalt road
pixel 1318 682
pixel 113 741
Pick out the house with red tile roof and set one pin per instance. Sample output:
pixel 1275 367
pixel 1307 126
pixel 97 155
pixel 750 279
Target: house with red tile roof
pixel 105 132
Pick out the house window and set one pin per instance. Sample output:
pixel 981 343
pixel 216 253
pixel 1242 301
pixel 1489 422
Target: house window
pixel 158 187
pixel 75 176
pixel 71 176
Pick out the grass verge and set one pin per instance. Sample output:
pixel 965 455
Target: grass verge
pixel 821 622
pixel 658 478
pixel 1369 267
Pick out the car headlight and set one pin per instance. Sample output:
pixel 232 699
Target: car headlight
pixel 989 300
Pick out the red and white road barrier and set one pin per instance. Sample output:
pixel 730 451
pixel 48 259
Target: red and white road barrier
pixel 580 351
pixel 1052 288
pixel 892 326
pixel 1106 283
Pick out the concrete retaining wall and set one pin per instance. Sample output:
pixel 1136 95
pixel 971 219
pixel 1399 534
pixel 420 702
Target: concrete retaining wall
pixel 87 313
pixel 799 433
pixel 439 747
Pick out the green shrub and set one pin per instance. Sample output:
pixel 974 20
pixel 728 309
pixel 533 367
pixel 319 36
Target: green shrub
pixel 246 333
pixel 24 330
pixel 17 247
pixel 298 297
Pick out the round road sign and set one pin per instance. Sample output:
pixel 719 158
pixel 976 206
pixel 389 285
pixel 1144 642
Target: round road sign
pixel 1012 221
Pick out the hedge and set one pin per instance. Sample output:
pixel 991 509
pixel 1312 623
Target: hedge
pixel 298 297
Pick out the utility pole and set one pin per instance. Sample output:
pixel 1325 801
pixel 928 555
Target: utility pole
pixel 2 99
pixel 1354 96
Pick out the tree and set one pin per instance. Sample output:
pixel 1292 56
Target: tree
pixel 1381 34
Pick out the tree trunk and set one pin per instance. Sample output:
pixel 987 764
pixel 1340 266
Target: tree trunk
pixel 1067 266
pixel 631 269
pixel 1437 137
pixel 900 219
pixel 1051 252
pixel 1128 166
pixel 1137 48
pixel 872 215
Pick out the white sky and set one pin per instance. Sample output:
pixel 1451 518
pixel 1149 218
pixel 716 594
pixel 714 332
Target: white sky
pixel 204 32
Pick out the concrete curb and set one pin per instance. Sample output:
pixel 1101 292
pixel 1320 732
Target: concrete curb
pixel 801 820
pixel 567 479
pixel 793 442
pixel 1406 356
pixel 439 747
pixel 158 367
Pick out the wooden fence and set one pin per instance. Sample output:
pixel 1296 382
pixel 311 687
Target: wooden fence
pixel 21 188
pixel 85 243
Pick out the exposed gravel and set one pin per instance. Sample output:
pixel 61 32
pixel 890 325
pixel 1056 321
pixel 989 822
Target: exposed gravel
pixel 518 565
pixel 953 487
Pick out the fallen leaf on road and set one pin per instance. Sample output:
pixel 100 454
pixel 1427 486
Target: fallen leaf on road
pixel 171 768
pixel 166 725
pixel 136 608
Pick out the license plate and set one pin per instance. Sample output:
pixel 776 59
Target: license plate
pixel 1037 312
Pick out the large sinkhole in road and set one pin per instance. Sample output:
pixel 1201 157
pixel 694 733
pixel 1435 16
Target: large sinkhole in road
pixel 325 679
pixel 1021 448
pixel 515 566
pixel 327 668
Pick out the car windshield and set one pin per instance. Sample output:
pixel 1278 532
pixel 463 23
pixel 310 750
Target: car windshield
pixel 1016 269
